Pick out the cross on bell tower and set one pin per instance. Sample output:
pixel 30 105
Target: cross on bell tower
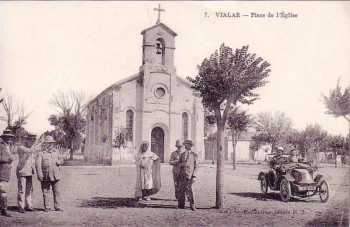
pixel 159 10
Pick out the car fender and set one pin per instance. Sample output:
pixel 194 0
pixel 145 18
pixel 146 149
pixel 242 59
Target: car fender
pixel 289 177
pixel 319 178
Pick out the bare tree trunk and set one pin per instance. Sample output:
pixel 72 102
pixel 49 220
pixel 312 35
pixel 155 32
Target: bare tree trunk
pixel 234 143
pixel 220 167
pixel 335 156
pixel 273 147
pixel 349 139
pixel 71 151
pixel 212 152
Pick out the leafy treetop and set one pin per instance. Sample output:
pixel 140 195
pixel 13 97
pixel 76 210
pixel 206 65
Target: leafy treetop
pixel 229 76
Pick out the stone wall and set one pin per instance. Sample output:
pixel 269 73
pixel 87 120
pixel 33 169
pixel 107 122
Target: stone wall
pixel 99 130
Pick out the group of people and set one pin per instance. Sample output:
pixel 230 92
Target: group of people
pixel 34 156
pixel 185 165
pixel 41 158
pixel 278 159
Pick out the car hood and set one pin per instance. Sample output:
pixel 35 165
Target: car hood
pixel 306 177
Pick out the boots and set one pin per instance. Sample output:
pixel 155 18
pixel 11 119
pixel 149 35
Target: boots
pixel 4 213
pixel 4 207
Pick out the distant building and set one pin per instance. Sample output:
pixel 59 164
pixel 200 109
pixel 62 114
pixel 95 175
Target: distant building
pixel 243 151
pixel 154 105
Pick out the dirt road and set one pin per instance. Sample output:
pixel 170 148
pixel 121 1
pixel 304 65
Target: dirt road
pixel 103 196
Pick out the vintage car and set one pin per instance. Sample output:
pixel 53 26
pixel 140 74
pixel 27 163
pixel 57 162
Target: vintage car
pixel 298 179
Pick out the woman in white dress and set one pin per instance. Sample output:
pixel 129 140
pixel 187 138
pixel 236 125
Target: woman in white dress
pixel 147 172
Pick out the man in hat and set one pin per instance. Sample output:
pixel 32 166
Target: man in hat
pixel 174 161
pixel 275 164
pixel 293 156
pixel 48 170
pixel 25 170
pixel 5 173
pixel 188 173
pixel 276 159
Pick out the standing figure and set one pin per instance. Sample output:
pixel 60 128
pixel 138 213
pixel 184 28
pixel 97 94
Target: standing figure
pixel 174 161
pixel 5 173
pixel 47 166
pixel 147 173
pixel 25 171
pixel 188 173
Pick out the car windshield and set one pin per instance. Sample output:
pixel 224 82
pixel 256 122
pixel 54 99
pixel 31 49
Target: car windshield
pixel 296 165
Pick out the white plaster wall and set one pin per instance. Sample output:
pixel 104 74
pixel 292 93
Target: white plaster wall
pixel 242 150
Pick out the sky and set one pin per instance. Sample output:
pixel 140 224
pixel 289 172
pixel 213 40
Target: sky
pixel 86 46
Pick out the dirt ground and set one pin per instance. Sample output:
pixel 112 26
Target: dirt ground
pixel 103 196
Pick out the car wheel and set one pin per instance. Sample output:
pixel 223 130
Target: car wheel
pixel 323 191
pixel 263 184
pixel 285 191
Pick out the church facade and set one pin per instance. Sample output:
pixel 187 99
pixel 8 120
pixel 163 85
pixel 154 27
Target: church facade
pixel 153 105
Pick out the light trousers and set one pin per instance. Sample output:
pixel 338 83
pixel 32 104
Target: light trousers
pixel 25 192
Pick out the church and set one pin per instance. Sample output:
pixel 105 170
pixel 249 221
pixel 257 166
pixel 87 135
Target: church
pixel 154 105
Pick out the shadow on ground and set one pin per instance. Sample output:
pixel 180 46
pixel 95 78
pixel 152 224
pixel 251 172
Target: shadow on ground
pixel 110 203
pixel 106 203
pixel 264 197
pixel 15 208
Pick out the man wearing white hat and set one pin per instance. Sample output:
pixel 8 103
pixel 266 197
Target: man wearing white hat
pixel 48 170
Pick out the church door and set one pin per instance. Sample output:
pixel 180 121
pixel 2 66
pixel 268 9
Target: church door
pixel 157 142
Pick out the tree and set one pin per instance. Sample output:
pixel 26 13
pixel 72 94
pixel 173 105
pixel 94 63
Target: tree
pixel 338 103
pixel 314 137
pixel 1 99
pixel 22 116
pixel 336 143
pixel 238 122
pixel 10 109
pixel 15 116
pixel 272 129
pixel 294 138
pixel 313 140
pixel 70 120
pixel 226 78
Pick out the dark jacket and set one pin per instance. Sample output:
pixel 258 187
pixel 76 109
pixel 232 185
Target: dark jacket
pixel 174 161
pixel 5 163
pixel 188 164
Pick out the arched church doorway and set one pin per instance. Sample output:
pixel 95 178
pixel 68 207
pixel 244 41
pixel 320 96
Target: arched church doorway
pixel 157 142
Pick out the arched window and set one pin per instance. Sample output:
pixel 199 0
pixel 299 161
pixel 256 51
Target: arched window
pixel 160 51
pixel 129 125
pixel 184 126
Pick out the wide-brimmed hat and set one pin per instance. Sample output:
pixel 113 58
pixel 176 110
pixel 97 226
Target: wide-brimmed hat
pixel 188 142
pixel 280 148
pixel 178 143
pixel 49 139
pixel 7 134
pixel 30 136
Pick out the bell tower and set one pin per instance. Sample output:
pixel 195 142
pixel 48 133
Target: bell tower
pixel 158 44
pixel 158 84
